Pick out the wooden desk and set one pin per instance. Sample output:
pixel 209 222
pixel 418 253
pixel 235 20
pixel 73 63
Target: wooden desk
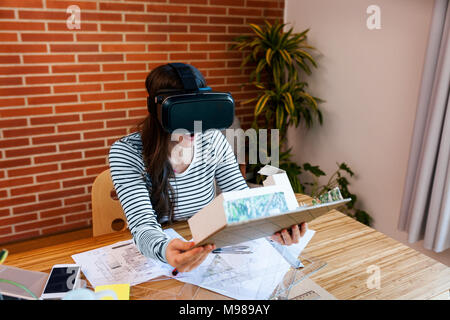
pixel 348 247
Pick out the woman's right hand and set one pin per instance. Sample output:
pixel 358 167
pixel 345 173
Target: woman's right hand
pixel 182 256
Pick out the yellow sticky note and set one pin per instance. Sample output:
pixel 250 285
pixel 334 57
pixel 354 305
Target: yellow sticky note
pixel 122 290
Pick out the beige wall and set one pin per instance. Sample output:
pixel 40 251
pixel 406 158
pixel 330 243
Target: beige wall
pixel 370 80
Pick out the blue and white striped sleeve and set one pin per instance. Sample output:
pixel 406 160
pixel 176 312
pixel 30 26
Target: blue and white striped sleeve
pixel 228 175
pixel 127 173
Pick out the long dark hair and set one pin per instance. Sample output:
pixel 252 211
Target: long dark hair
pixel 155 142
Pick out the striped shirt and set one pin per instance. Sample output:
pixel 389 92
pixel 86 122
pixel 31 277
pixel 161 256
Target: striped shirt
pixel 213 159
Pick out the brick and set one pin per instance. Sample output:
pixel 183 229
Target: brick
pixel 79 199
pixel 80 126
pixel 146 37
pixel 102 96
pixel 29 151
pixel 99 37
pixel 8 37
pixel 15 182
pixel 101 77
pixel 189 1
pixel 123 67
pixel 50 79
pixel 137 94
pixel 10 123
pixel 60 194
pixel 15 201
pixel 59 176
pixel 167 47
pixel 188 56
pixel 47 37
pixel 188 37
pixel 77 88
pixel 79 216
pixel 21 4
pixel 15 163
pixel 19 26
pixel 54 119
pixel 166 8
pixel 207 47
pixel 125 104
pixel 226 20
pixel 75 68
pixel 97 153
pixel 19 91
pixel 122 123
pixel 166 28
pixel 35 188
pixel 63 4
pixel 32 170
pixel 207 10
pixel 97 16
pixel 96 171
pixel 105 6
pixel 62 211
pixel 5 230
pixel 56 138
pixel 6 14
pixel 38 224
pixel 18 112
pixel 57 157
pixel 8 143
pixel 15 70
pixel 50 58
pixel 83 164
pixel 52 99
pixel 123 85
pixel 104 133
pixel 42 15
pixel 119 27
pixel 59 26
pixel 103 115
pixel 187 19
pixel 233 3
pixel 73 47
pixel 145 18
pixel 36 207
pixel 4 212
pixel 146 57
pixel 78 107
pixel 123 47
pixel 78 182
pixel 207 29
pixel 244 12
pixel 138 75
pixel 262 4
pixel 81 145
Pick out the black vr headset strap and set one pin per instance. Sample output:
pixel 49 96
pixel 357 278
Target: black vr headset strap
pixel 186 76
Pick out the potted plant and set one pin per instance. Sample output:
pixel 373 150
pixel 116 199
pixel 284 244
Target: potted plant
pixel 278 58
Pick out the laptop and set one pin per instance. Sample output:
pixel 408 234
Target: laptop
pixel 33 280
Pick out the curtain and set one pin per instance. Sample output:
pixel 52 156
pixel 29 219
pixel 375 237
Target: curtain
pixel 425 210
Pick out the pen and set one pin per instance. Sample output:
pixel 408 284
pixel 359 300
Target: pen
pixel 174 272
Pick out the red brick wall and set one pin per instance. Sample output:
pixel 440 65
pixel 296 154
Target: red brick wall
pixel 66 95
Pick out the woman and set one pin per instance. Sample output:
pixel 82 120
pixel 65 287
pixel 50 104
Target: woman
pixel 161 178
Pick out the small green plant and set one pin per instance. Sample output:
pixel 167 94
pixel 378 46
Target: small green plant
pixel 278 58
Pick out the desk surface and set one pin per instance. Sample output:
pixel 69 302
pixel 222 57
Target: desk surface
pixel 349 248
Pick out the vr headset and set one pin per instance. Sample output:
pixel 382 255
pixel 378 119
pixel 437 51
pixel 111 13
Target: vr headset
pixel 178 109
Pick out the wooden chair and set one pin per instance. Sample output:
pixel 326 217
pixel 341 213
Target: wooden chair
pixel 107 213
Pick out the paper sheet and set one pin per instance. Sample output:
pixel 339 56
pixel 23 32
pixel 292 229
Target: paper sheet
pixel 247 276
pixel 121 262
pixel 239 276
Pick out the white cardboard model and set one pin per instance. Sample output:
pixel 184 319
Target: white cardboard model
pixel 237 216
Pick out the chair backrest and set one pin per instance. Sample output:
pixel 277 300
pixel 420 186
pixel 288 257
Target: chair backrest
pixel 107 212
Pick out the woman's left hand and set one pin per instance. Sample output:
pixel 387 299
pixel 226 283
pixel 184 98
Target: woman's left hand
pixel 284 238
